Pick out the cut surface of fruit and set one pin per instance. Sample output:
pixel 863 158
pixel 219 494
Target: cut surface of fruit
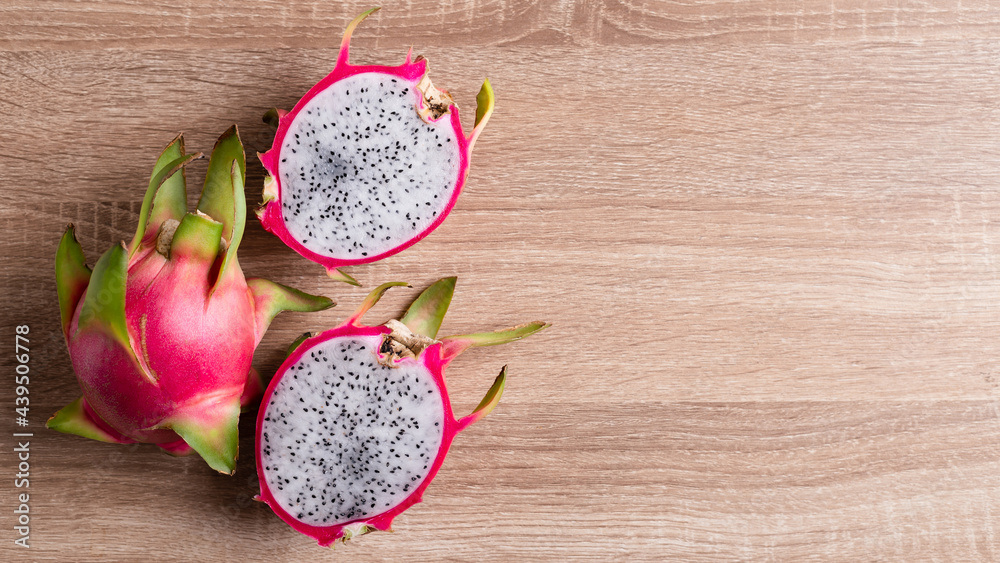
pixel 357 421
pixel 371 435
pixel 369 161
pixel 375 170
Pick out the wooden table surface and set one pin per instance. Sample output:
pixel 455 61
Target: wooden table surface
pixel 767 234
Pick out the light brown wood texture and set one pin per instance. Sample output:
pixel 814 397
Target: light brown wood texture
pixel 766 234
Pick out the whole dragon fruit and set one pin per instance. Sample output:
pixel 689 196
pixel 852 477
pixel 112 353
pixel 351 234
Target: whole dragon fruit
pixel 357 421
pixel 162 332
pixel 368 162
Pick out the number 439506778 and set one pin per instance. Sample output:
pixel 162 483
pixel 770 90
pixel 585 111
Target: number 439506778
pixel 21 355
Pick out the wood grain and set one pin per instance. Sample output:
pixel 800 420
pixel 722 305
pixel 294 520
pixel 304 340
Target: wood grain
pixel 766 233
pixel 625 482
pixel 186 24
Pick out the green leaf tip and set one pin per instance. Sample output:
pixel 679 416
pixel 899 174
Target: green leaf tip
pixel 502 336
pixel 452 346
pixel 485 102
pixel 211 429
pixel 170 200
pixel 74 419
pixel 372 299
pixel 489 402
pixel 271 298
pixel 492 397
pixel 166 196
pixel 345 44
pixel 223 198
pixel 72 276
pixel 337 275
pixel 227 148
pixel 104 305
pixel 426 313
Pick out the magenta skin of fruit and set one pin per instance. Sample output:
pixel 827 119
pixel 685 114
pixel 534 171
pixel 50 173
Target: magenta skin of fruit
pixel 431 359
pixel 199 350
pixel 271 217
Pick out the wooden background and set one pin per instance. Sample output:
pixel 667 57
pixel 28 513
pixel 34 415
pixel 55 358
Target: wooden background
pixel 767 234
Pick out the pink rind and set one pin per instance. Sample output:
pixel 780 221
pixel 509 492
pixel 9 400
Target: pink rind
pixel 129 323
pixel 270 215
pixel 326 535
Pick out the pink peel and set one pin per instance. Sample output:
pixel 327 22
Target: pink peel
pixel 162 332
pixel 400 349
pixel 271 213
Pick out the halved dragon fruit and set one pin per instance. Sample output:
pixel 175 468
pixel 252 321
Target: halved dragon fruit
pixel 162 332
pixel 368 162
pixel 357 421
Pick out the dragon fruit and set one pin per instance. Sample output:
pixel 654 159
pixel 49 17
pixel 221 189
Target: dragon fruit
pixel 357 421
pixel 162 332
pixel 367 163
